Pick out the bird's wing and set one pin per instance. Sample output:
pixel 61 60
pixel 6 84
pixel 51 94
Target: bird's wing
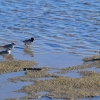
pixel 26 40
pixel 2 52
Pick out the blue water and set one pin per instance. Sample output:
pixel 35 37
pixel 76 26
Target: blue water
pixel 65 31
pixel 7 88
pixel 91 98
pixel 57 25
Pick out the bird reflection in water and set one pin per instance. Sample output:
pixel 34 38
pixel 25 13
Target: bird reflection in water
pixel 28 51
pixel 9 57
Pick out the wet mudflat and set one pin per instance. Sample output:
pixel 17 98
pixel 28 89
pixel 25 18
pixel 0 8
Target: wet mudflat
pixel 53 83
pixel 15 65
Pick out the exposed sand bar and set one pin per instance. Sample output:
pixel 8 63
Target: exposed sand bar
pixel 16 65
pixel 58 86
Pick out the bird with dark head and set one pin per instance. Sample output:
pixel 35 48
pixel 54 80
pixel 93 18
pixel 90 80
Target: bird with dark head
pixel 8 46
pixel 32 39
pixel 28 42
pixel 5 53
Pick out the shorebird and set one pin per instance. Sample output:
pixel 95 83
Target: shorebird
pixel 5 53
pixel 8 46
pixel 28 41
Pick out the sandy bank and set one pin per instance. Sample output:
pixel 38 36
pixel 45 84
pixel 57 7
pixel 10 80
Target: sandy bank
pixel 88 85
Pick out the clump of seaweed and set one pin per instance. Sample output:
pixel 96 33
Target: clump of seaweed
pixel 92 58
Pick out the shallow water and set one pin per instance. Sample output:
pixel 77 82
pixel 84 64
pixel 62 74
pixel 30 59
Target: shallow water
pixel 7 88
pixel 91 98
pixel 58 26
pixel 72 74
pixel 65 31
pixel 45 78
pixel 93 69
pixel 47 98
pixel 4 77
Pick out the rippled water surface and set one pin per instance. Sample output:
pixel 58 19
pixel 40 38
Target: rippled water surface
pixel 58 26
pixel 64 30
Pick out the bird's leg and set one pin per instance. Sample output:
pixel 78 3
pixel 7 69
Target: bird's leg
pixel 26 45
pixel 5 57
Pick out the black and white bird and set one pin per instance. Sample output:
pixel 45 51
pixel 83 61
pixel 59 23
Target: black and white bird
pixel 9 46
pixel 28 41
pixel 5 53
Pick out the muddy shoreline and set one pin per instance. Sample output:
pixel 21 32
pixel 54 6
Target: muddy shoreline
pixel 62 87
